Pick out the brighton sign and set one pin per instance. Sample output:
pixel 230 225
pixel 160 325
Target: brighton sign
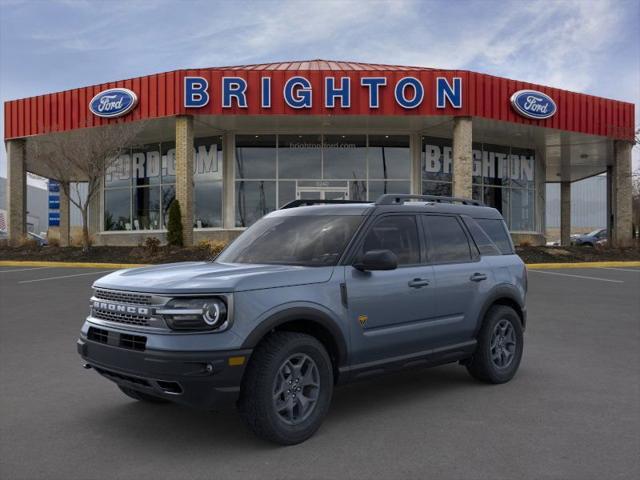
pixel 113 103
pixel 533 104
pixel 298 93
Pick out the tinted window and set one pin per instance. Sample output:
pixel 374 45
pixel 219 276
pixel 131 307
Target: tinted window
pixel 483 242
pixel 448 242
pixel 497 232
pixel 314 241
pixel 396 233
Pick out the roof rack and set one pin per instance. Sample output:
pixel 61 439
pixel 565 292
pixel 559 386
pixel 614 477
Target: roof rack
pixel 391 199
pixel 318 201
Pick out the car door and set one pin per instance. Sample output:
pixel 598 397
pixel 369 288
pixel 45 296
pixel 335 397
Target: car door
pixel 462 278
pixel 388 311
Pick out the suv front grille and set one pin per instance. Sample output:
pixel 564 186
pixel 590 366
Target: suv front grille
pixel 127 318
pixel 133 342
pixel 123 297
pixel 98 335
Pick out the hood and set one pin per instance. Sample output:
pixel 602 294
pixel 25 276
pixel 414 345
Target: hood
pixel 211 277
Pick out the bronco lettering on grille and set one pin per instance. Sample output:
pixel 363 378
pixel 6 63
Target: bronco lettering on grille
pixel 114 307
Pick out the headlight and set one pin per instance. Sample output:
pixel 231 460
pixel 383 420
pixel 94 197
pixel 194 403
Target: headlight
pixel 195 314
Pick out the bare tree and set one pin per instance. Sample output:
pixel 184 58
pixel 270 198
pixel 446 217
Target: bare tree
pixel 82 156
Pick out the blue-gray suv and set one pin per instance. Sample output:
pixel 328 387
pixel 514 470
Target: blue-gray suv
pixel 313 295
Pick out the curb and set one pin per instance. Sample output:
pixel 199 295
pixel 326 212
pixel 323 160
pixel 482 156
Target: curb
pixel 534 266
pixel 531 266
pixel 29 263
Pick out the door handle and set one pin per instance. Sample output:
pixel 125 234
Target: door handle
pixel 478 277
pixel 418 282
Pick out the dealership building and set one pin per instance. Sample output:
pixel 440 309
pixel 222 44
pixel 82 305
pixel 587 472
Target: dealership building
pixel 234 143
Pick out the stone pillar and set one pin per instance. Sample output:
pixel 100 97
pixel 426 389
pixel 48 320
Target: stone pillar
pixel 228 180
pixel 184 174
pixel 415 146
pixel 16 191
pixel 565 213
pixel 65 215
pixel 621 234
pixel 462 157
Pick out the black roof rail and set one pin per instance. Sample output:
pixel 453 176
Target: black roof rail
pixel 318 201
pixel 399 199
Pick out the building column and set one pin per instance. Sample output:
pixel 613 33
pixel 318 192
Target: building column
pixel 228 180
pixel 620 234
pixel 415 147
pixel 462 157
pixel 16 191
pixel 184 174
pixel 65 215
pixel 565 213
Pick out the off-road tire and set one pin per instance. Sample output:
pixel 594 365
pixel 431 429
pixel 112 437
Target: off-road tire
pixel 141 396
pixel 481 366
pixel 256 404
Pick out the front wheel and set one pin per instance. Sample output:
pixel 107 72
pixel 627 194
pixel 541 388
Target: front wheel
pixel 287 388
pixel 500 344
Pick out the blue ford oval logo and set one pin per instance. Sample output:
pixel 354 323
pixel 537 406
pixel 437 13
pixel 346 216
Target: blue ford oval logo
pixel 533 104
pixel 114 102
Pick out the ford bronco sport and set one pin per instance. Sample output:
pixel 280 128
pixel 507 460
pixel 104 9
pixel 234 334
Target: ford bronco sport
pixel 315 294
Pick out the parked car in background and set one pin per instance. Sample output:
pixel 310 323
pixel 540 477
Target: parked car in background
pixel 591 239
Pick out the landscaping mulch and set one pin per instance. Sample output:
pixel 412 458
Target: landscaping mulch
pixel 577 254
pixel 165 254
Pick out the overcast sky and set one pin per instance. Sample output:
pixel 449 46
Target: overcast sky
pixel 582 45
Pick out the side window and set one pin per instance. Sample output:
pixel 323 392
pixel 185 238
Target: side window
pixel 483 242
pixel 447 241
pixel 398 233
pixel 497 232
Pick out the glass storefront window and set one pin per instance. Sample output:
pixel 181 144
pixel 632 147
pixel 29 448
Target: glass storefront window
pixel 344 156
pixel 254 199
pixel 149 172
pixel 503 178
pixel 146 208
pixel 300 156
pixel 117 209
pixel 381 187
pixel 256 156
pixel 389 157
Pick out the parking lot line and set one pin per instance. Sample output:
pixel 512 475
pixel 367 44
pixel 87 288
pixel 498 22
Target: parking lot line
pixel 23 269
pixel 637 270
pixel 65 276
pixel 578 276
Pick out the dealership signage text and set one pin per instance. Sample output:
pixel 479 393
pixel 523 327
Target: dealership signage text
pixel 298 93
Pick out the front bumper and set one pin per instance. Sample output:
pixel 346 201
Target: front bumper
pixel 207 380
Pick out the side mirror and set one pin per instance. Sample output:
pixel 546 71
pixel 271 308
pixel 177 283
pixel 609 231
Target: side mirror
pixel 377 260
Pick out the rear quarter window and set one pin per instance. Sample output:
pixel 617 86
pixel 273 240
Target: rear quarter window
pixel 498 233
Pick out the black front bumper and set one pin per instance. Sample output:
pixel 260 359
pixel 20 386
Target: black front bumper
pixel 207 380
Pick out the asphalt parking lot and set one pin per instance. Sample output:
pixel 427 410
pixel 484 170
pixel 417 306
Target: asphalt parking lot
pixel 572 412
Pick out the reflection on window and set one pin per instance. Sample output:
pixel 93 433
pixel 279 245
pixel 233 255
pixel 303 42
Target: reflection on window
pixel 146 208
pixel 117 209
pixel 255 156
pixel 398 234
pixel 254 199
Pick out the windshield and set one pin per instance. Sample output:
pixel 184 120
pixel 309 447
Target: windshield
pixel 314 240
pixel 594 233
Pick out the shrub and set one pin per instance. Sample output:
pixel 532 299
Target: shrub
pixel 54 242
pixel 212 247
pixel 152 245
pixel 174 226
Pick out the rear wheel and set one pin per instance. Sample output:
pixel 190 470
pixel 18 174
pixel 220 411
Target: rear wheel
pixel 500 344
pixel 287 388
pixel 141 396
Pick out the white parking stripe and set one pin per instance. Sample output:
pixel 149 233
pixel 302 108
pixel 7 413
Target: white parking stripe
pixel 577 276
pixel 66 276
pixel 23 269
pixel 621 269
